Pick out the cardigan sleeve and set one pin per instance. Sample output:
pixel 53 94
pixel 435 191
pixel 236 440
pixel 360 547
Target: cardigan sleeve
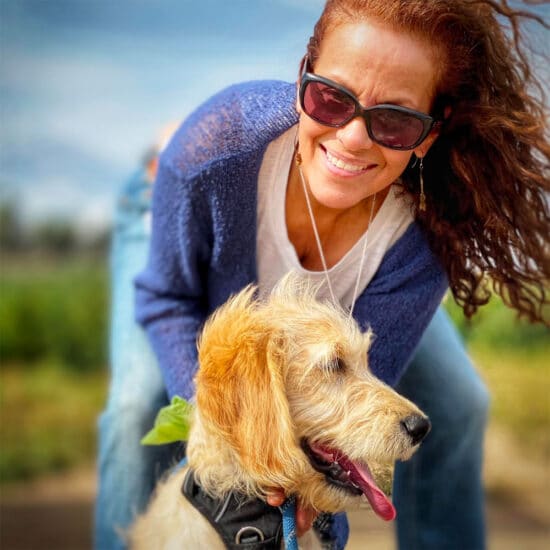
pixel 399 303
pixel 192 265
pixel 169 292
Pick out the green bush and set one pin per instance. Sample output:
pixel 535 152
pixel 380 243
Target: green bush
pixel 497 326
pixel 57 312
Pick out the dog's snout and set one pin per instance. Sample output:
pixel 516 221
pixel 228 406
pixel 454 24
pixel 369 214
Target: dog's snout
pixel 417 427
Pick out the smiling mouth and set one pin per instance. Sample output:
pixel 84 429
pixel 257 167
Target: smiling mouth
pixel 343 165
pixel 353 477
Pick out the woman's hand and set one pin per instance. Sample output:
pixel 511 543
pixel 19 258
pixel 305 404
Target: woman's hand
pixel 304 516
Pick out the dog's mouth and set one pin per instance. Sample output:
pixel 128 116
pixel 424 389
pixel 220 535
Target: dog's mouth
pixel 353 477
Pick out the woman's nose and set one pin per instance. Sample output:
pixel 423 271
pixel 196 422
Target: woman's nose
pixel 354 135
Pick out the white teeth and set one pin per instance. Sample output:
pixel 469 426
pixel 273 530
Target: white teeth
pixel 343 165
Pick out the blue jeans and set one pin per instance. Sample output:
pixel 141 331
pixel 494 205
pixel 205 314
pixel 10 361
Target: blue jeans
pixel 438 494
pixel 128 470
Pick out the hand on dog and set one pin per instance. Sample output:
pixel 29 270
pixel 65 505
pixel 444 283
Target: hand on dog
pixel 304 516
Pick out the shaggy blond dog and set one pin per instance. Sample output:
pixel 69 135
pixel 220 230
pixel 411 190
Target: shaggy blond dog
pixel 284 399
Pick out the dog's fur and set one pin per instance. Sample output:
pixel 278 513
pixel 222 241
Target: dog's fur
pixel 271 373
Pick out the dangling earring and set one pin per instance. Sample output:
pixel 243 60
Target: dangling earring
pixel 297 155
pixel 422 203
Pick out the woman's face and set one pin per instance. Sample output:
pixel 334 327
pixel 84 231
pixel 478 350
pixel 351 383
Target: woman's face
pixel 378 65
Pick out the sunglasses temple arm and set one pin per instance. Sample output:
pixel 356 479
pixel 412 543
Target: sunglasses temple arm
pixel 304 65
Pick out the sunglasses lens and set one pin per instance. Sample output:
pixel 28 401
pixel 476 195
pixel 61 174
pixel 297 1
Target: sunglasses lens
pixel 395 129
pixel 326 104
pixel 387 126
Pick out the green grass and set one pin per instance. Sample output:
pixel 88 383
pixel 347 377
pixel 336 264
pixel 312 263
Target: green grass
pixel 513 357
pixel 53 346
pixel 519 381
pixel 48 419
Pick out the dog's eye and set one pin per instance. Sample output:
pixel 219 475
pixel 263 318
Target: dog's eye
pixel 336 364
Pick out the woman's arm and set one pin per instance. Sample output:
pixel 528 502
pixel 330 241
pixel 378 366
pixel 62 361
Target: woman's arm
pixel 170 292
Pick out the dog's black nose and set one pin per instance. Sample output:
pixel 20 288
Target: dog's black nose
pixel 417 427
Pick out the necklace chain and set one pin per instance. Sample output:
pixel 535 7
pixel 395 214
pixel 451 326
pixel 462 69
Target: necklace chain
pixel 320 246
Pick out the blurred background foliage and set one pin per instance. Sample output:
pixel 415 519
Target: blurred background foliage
pixel 54 303
pixel 54 312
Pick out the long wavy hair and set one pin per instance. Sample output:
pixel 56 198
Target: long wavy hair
pixel 486 176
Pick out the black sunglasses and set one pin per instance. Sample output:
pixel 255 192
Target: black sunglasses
pixel 391 126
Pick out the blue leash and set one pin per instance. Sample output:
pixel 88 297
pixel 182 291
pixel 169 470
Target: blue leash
pixel 180 464
pixel 288 509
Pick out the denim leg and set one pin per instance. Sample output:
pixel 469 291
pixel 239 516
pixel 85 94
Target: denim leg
pixel 127 470
pixel 439 493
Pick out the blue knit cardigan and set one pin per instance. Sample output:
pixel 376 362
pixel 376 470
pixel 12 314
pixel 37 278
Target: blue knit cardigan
pixel 203 242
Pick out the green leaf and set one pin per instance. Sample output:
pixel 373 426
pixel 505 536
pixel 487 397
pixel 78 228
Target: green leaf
pixel 171 424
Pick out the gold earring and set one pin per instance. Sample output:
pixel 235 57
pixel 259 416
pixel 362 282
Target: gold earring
pixel 422 203
pixel 297 156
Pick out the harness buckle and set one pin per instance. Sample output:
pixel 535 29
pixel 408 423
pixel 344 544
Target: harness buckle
pixel 250 534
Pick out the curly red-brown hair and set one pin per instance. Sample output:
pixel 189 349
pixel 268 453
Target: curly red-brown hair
pixel 486 176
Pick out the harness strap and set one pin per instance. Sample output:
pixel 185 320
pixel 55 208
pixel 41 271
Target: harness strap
pixel 241 522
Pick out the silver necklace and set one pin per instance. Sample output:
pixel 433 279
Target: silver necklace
pixel 320 246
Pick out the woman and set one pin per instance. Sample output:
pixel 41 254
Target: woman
pixel 409 157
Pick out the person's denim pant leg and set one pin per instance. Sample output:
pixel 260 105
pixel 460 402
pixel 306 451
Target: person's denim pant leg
pixel 128 470
pixel 439 493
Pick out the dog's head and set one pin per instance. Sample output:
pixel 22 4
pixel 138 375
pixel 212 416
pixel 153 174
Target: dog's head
pixel 285 395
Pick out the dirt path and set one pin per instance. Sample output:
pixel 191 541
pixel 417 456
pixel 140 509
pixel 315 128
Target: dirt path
pixel 49 514
pixel 56 513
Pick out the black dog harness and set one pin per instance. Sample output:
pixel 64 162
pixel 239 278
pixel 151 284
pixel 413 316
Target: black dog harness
pixel 241 522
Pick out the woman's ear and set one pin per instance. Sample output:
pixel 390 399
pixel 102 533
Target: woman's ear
pixel 424 147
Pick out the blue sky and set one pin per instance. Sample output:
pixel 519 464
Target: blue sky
pixel 85 85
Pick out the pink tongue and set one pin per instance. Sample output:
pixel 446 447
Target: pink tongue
pixel 361 476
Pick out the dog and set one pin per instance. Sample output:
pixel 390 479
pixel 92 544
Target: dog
pixel 284 398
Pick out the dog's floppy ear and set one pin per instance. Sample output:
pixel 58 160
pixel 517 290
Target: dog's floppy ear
pixel 240 389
